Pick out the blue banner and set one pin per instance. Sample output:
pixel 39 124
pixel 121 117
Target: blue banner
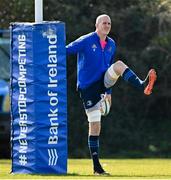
pixel 38 98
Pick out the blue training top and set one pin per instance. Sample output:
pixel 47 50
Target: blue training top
pixel 92 60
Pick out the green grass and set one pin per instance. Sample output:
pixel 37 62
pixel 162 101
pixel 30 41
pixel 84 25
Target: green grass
pixel 119 169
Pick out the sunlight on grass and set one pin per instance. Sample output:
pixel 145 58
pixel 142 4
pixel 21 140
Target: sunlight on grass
pixel 119 169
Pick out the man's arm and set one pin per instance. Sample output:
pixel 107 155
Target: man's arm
pixel 75 46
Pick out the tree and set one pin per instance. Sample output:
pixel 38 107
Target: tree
pixel 142 31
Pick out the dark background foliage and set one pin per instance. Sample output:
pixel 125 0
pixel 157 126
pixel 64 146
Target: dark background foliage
pixel 138 126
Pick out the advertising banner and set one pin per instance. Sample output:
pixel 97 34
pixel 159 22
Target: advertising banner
pixel 38 98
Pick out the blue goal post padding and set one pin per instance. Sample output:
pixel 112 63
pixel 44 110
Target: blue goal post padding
pixel 38 98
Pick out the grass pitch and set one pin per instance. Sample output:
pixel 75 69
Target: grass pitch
pixel 118 168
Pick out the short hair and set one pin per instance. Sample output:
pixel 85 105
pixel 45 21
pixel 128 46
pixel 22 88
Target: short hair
pixel 101 16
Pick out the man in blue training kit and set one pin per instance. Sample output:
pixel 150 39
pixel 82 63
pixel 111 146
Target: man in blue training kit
pixel 97 73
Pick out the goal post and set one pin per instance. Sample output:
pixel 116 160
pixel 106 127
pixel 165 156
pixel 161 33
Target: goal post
pixel 38 97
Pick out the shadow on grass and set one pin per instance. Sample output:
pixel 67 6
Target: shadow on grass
pixel 109 176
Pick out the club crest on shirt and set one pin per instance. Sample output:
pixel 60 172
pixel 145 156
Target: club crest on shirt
pixel 110 49
pixel 89 103
pixel 94 47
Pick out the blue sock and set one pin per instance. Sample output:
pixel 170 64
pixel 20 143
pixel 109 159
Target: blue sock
pixel 133 79
pixel 93 144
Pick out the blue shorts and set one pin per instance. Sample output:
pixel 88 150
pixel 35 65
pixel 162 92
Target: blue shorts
pixel 92 94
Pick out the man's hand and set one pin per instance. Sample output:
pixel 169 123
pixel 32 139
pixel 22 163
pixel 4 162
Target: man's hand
pixel 109 97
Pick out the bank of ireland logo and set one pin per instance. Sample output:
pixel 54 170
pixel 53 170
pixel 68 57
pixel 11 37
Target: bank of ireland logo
pixel 53 157
pixel 48 32
pixel 94 47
